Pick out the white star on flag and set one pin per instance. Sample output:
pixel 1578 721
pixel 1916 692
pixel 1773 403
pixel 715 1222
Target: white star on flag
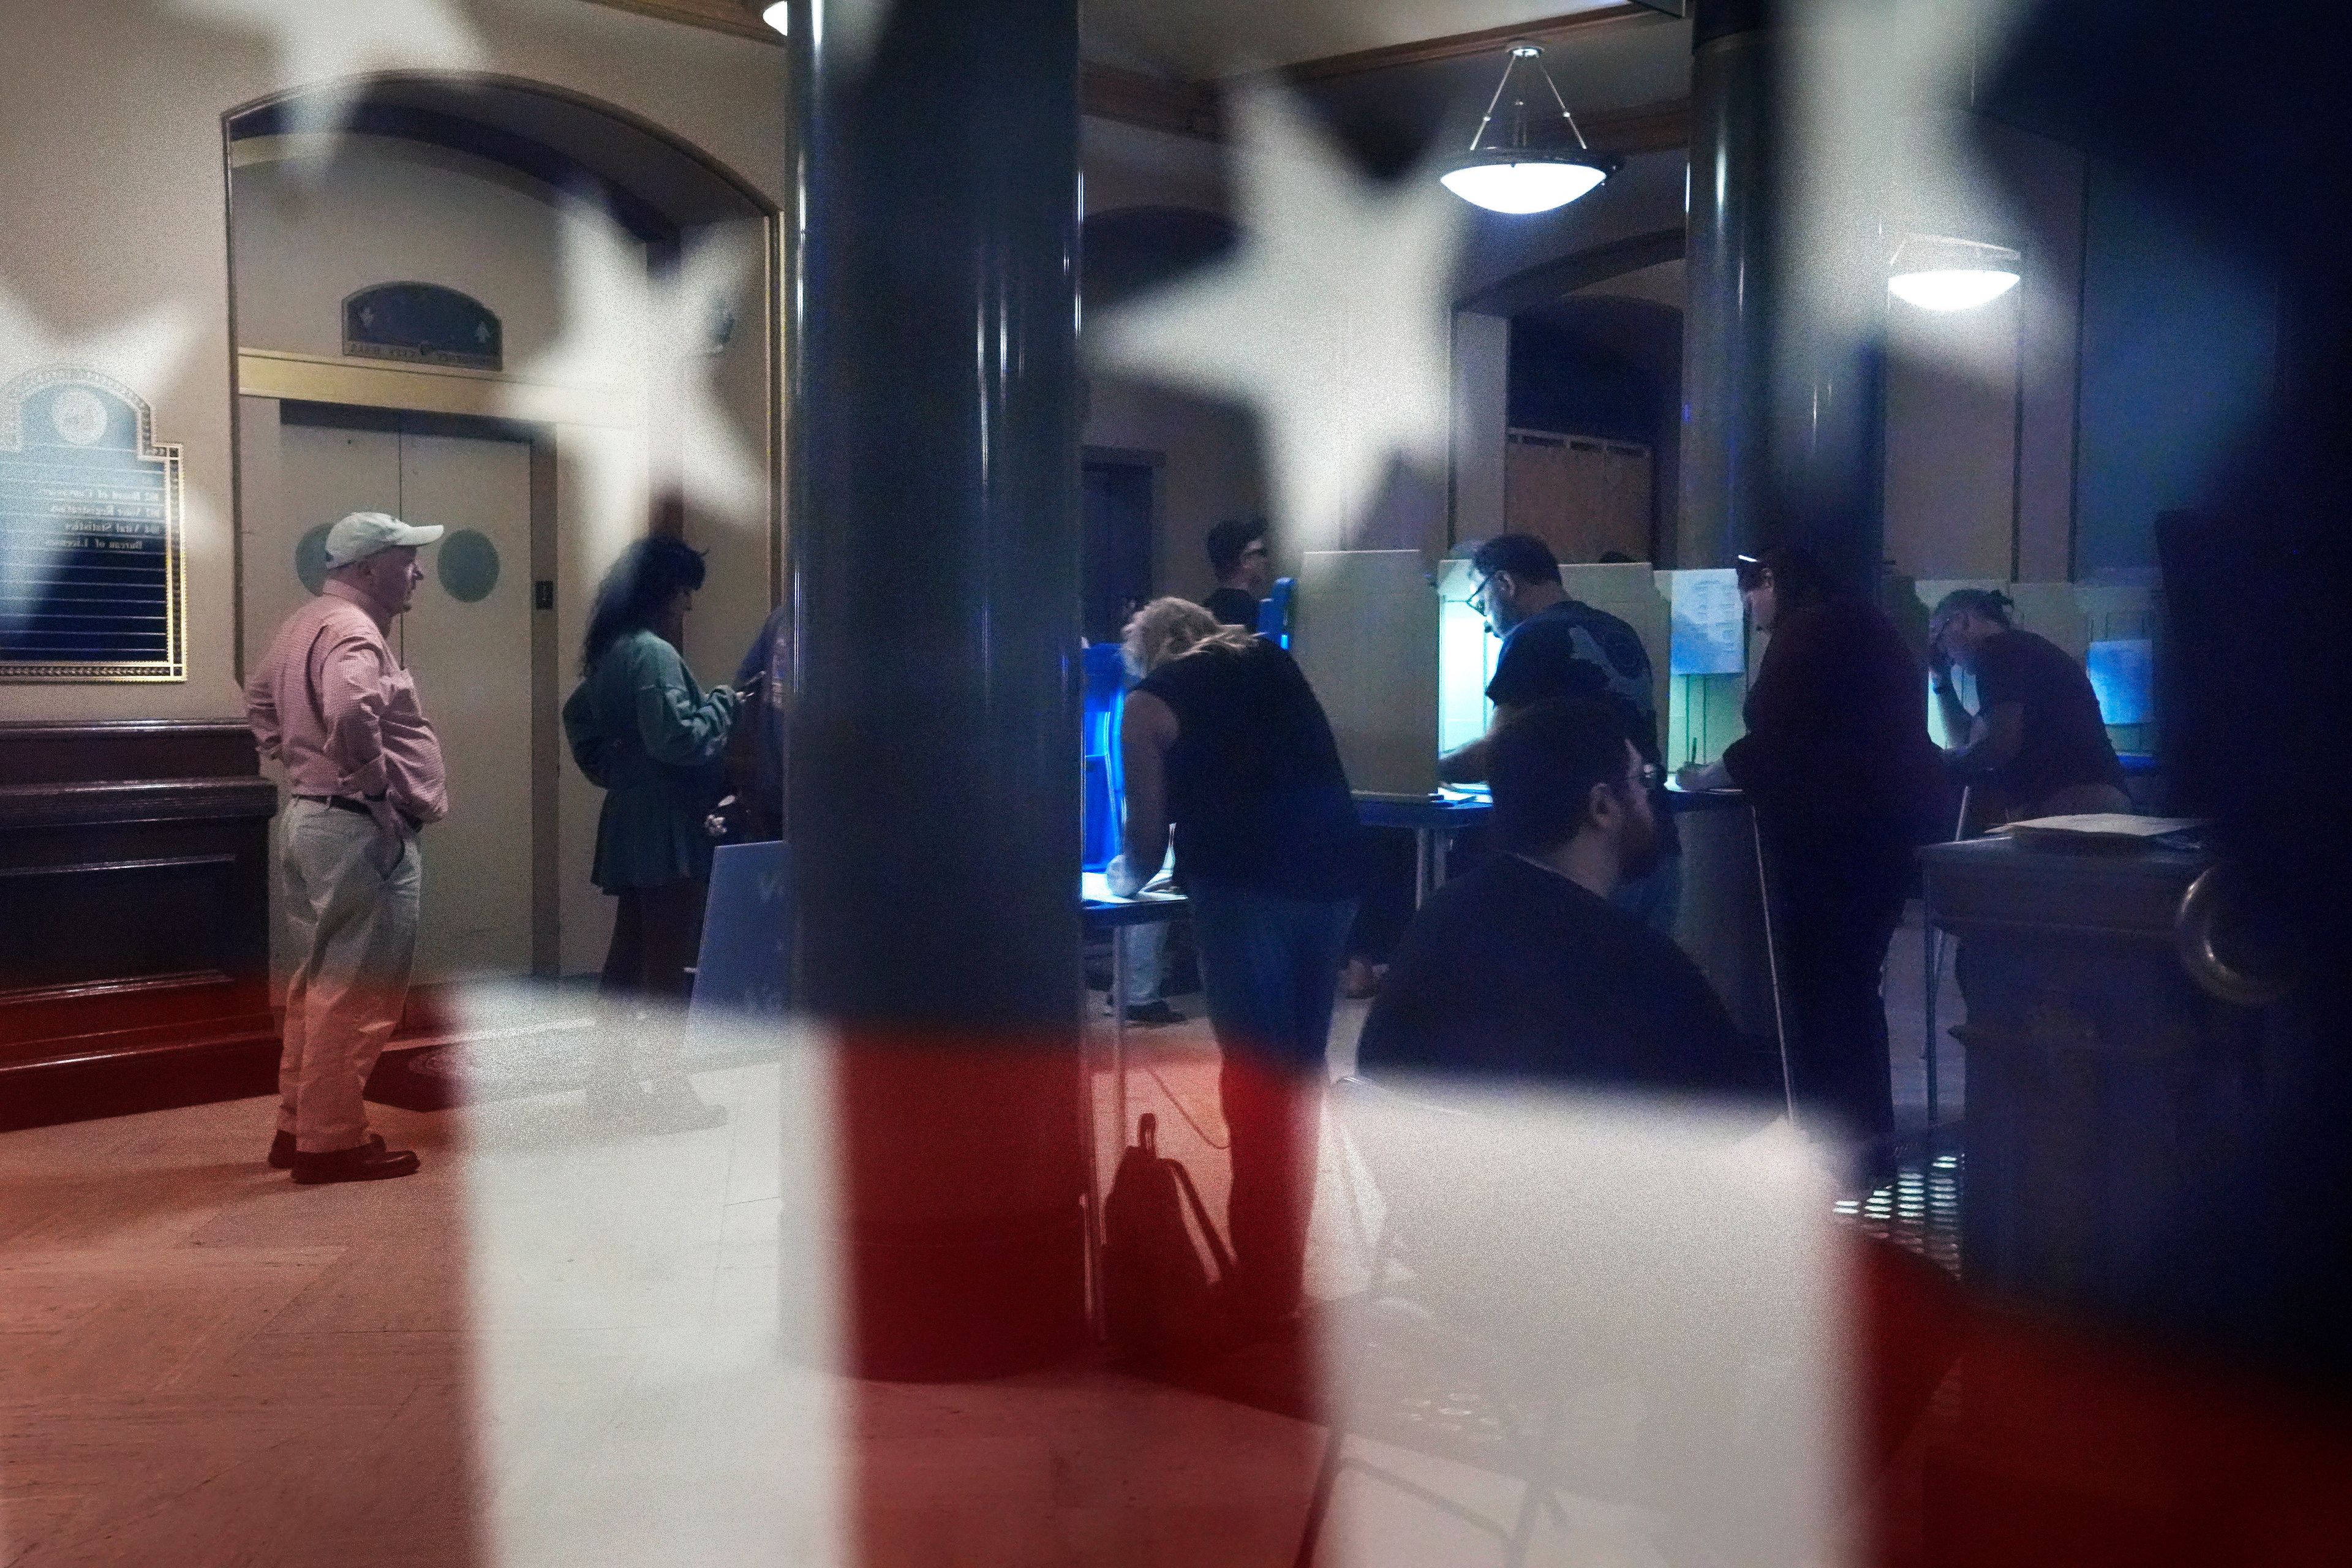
pixel 642 336
pixel 1332 320
pixel 324 45
pixel 145 355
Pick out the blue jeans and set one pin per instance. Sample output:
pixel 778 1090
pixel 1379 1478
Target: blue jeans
pixel 1269 966
pixel 1144 948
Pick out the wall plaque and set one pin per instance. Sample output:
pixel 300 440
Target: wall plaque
pixel 91 579
pixel 423 324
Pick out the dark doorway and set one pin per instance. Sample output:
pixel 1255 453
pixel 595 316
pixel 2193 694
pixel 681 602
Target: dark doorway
pixel 1116 540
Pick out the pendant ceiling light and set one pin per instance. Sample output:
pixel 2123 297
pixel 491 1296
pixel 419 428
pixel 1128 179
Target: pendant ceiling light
pixel 1937 273
pixel 779 15
pixel 1515 174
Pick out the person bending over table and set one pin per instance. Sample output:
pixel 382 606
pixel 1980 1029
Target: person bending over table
pixel 1846 785
pixel 1525 968
pixel 1559 646
pixel 1222 738
pixel 2037 743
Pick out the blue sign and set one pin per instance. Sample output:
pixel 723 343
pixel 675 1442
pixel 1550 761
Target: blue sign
pixel 745 968
pixel 90 576
pixel 1708 625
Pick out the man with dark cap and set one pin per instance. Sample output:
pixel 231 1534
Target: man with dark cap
pixel 1244 568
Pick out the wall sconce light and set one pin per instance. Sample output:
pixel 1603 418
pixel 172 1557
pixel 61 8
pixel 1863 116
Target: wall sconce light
pixel 1938 273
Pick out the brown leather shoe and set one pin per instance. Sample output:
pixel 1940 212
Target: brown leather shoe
pixel 369 1162
pixel 282 1149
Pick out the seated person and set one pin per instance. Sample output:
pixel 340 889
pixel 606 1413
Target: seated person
pixel 2037 741
pixel 1525 968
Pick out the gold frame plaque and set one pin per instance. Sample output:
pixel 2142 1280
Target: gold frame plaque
pixel 93 584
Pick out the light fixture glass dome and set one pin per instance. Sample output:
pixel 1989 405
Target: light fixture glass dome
pixel 1514 174
pixel 1951 287
pixel 1935 272
pixel 1522 185
pixel 779 17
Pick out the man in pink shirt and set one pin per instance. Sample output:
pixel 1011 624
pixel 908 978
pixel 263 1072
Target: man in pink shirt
pixel 332 705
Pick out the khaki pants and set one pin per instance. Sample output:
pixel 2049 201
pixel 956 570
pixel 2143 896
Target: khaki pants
pixel 354 930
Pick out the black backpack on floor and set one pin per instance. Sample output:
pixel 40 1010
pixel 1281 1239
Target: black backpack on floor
pixel 1156 1288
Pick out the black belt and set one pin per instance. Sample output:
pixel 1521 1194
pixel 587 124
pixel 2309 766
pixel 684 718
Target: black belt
pixel 352 803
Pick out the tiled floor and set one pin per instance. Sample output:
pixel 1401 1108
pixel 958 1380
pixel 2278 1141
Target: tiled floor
pixel 556 1344
pixel 560 1344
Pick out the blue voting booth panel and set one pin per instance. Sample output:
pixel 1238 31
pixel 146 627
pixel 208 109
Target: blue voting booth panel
pixel 745 967
pixel 2123 679
pixel 1274 613
pixel 1106 677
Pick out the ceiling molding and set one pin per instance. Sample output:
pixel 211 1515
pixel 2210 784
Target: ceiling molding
pixel 1547 281
pixel 1185 108
pixel 1644 128
pixel 1455 45
pixel 1194 109
pixel 733 17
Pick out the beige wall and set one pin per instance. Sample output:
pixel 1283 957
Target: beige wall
pixel 1482 396
pixel 1951 427
pixel 388 211
pixel 112 174
pixel 1209 473
pixel 733 529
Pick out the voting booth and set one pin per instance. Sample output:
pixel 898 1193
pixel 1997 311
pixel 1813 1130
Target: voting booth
pixel 1364 628
pixel 1399 661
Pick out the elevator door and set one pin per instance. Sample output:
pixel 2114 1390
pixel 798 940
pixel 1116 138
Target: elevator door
pixel 468 642
pixel 467 638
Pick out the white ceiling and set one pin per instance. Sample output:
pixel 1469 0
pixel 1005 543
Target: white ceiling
pixel 1201 39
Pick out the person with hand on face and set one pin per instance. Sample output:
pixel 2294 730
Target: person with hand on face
pixel 1527 968
pixel 332 705
pixel 1222 738
pixel 2036 743
pixel 1846 785
pixel 1243 566
pixel 1556 648
pixel 642 730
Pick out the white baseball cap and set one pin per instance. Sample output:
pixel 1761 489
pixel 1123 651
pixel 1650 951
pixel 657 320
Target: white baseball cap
pixel 363 533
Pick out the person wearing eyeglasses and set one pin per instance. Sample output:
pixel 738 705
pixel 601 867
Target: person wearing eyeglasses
pixel 1557 647
pixel 1243 565
pixel 1846 785
pixel 2036 745
pixel 1525 968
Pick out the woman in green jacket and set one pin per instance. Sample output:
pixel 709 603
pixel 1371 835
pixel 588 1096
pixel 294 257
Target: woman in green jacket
pixel 656 742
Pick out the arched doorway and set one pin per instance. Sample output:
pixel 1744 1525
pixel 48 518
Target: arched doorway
pixel 548 326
